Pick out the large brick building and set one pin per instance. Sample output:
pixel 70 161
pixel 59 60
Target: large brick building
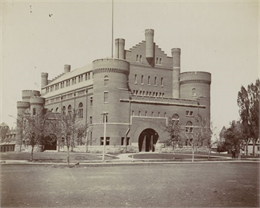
pixel 138 89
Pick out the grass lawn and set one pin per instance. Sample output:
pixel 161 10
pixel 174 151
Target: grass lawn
pixel 51 156
pixel 176 156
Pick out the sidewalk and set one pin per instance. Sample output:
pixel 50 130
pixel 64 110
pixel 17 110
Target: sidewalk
pixel 126 159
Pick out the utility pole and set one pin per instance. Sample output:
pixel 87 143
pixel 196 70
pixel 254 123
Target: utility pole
pixel 104 139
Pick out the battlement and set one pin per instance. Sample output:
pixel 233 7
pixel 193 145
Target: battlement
pixel 26 94
pixel 149 31
pixel 44 74
pixel 37 100
pixel 110 65
pixel 120 40
pixel 195 76
pixel 23 104
pixel 176 50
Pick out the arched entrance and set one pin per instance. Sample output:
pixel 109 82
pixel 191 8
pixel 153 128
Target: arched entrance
pixel 147 140
pixel 50 142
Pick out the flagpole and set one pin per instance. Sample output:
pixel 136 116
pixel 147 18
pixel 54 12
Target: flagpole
pixel 112 27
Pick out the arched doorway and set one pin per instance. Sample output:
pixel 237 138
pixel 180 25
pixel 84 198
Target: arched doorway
pixel 50 142
pixel 147 140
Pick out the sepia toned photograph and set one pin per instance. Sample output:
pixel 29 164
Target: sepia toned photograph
pixel 119 103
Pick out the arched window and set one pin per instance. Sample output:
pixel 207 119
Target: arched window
pixel 155 81
pixel 189 128
pixel 80 110
pixel 34 111
pixel 106 79
pixel 194 92
pixel 57 109
pixel 69 110
pixel 175 119
pixel 64 110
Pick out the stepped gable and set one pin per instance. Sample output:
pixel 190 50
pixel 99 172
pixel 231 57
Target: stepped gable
pixel 158 50
pixel 136 46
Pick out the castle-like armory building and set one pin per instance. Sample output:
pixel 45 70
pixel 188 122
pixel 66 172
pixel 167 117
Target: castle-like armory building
pixel 138 90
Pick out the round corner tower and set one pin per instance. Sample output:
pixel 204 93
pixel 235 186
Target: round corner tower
pixel 110 84
pixel 196 86
pixel 36 104
pixel 22 106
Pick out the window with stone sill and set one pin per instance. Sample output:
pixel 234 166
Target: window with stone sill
pixel 189 113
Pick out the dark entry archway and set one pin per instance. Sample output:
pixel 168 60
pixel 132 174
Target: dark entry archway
pixel 147 140
pixel 50 142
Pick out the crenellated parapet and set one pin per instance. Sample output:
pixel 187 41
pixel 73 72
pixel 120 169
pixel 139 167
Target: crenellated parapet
pixel 37 100
pixel 111 66
pixel 67 68
pixel 196 76
pixel 27 94
pixel 23 104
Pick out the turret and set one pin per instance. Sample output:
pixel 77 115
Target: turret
pixel 36 104
pixel 27 94
pixel 67 68
pixel 176 60
pixel 120 48
pixel 44 79
pixel 111 85
pixel 149 36
pixel 21 107
pixel 196 86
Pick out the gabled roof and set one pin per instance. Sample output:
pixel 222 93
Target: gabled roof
pixel 71 74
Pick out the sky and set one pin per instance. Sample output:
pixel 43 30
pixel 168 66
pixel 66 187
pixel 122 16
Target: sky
pixel 220 37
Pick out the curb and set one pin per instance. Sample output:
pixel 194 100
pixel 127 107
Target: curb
pixel 117 163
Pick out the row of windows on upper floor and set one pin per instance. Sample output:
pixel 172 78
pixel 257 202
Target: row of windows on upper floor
pixel 148 80
pixel 139 58
pixel 78 112
pixel 67 96
pixel 148 93
pixel 69 82
pixel 152 114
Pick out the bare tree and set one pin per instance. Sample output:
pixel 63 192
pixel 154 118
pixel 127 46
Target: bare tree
pixel 69 127
pixel 33 128
pixel 174 129
pixel 201 136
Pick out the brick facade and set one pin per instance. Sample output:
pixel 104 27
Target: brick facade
pixel 139 89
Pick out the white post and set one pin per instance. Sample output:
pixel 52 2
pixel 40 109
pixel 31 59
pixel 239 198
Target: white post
pixel 104 140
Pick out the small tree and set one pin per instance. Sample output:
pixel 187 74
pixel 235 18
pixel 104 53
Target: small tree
pixel 174 129
pixel 69 127
pixel 33 129
pixel 201 136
